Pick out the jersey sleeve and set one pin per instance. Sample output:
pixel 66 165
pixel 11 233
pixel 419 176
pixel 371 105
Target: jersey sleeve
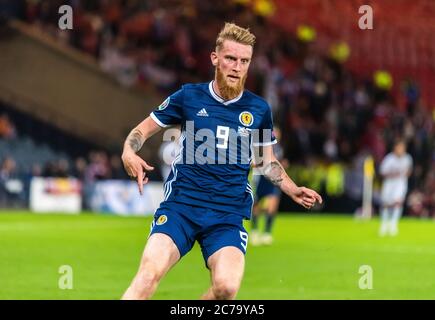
pixel 170 112
pixel 265 135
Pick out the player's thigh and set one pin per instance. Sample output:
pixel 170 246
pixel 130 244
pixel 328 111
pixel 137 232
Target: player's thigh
pixel 392 194
pixel 396 201
pixel 160 254
pixel 387 193
pixel 400 196
pixel 219 236
pixel 227 266
pixel 171 236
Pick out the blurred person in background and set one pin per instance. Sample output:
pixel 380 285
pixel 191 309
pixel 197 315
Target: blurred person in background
pixel 117 171
pixel 168 151
pixel 416 204
pixel 7 128
pixel 99 166
pixel 79 169
pixel 63 168
pixel 395 169
pixel 11 185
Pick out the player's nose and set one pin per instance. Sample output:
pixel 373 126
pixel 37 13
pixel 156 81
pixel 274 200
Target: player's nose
pixel 237 67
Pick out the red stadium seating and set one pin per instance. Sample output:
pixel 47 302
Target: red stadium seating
pixel 412 54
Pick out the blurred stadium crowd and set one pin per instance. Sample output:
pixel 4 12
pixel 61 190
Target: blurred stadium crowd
pixel 331 119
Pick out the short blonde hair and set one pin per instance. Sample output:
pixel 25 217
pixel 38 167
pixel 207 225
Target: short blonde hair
pixel 235 33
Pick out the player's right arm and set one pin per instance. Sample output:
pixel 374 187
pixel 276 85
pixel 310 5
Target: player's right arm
pixel 133 164
pixel 169 113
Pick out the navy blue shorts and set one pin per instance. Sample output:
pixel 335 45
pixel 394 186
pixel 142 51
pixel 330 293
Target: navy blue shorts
pixel 213 229
pixel 266 188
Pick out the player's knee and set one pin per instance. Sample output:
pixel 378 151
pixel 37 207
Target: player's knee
pixel 148 275
pixel 225 289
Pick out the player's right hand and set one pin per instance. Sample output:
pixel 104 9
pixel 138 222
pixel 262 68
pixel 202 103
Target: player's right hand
pixel 136 168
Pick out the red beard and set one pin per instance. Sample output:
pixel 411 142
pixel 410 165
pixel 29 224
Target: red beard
pixel 227 91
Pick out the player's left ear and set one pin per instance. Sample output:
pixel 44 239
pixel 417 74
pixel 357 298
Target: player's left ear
pixel 214 58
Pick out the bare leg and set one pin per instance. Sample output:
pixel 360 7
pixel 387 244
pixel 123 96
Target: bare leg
pixel 396 215
pixel 255 234
pixel 227 266
pixel 385 220
pixel 256 210
pixel 272 208
pixel 159 256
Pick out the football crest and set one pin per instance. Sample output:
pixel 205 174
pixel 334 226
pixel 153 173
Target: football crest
pixel 164 104
pixel 246 118
pixel 162 220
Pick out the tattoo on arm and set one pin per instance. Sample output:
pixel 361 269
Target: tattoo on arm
pixel 135 140
pixel 274 172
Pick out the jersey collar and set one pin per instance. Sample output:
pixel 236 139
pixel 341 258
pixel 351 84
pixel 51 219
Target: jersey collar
pixel 218 98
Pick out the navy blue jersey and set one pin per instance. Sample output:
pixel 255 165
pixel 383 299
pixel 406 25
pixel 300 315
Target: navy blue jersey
pixel 212 168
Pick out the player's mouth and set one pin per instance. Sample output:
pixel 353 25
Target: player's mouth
pixel 233 78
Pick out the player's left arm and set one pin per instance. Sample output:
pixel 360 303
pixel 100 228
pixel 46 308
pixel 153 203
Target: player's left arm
pixel 274 171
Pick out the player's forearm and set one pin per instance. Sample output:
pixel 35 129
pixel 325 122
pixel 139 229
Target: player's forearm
pixel 137 137
pixel 276 174
pixel 134 141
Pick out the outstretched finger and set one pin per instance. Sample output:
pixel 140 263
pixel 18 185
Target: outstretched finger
pixel 318 197
pixel 140 180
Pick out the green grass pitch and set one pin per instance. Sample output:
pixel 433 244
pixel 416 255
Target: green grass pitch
pixel 313 257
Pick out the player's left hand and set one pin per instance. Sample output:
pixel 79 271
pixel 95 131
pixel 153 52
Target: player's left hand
pixel 306 197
